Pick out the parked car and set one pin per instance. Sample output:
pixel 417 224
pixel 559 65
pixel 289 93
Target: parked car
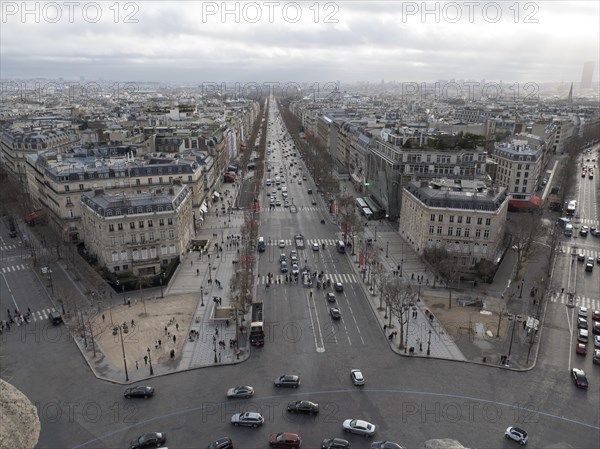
pixel 285 440
pixel 287 380
pixel 582 335
pixel 335 443
pixel 596 341
pixel 357 377
pixel 583 311
pixel 139 392
pixel 517 434
pixel 596 358
pixel 306 407
pixel 596 327
pixel 152 439
pixel 596 315
pixel 581 349
pixel 249 419
pixel 582 323
pixel 245 391
pixel 579 378
pixel 221 443
pixel 359 427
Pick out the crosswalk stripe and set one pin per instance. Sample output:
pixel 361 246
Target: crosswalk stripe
pixel 579 301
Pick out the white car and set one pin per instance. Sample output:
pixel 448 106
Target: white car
pixel 516 434
pixel 315 247
pixel 282 243
pixel 583 311
pixel 357 377
pixel 359 427
pixel 597 341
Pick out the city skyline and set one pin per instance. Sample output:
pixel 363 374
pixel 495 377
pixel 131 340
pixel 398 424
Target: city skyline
pixel 195 42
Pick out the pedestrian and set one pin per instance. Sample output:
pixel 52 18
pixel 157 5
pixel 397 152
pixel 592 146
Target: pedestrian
pixel 177 326
pixel 145 360
pixel 226 323
pixel 174 339
pixel 103 318
pixel 219 296
pixel 166 330
pixel 132 323
pixel 29 311
pixel 159 342
pixel 136 365
pixel 412 276
pixel 217 331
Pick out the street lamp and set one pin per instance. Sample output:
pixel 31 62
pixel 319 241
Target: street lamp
pixel 161 287
pixel 150 361
pixel 202 296
pixel 521 292
pixel 215 347
pixel 375 237
pixel 429 343
pixel 123 290
pixel 407 321
pixel 124 330
pixel 387 249
pixel 209 273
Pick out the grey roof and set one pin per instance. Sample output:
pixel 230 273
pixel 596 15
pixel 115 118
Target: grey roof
pixel 467 195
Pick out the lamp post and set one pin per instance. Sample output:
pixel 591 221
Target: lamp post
pixel 429 343
pixel 209 273
pixel 521 292
pixel 375 237
pixel 401 265
pixel 161 287
pixel 125 330
pixel 123 291
pixel 407 321
pixel 511 340
pixel 202 296
pixel 387 249
pixel 150 361
pixel 222 241
pixel 215 347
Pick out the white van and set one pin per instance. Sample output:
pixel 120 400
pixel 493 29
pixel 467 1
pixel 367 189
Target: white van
pixel 341 246
pixel 269 182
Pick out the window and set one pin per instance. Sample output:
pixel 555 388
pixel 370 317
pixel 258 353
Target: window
pixel 112 241
pixel 137 182
pixel 468 220
pixel 451 218
pixel 450 230
pixel 111 227
pixel 440 218
pixel 170 221
pixel 460 218
pixel 161 222
pixel 467 232
pixel 488 221
pixel 458 232
pixel 527 174
pixel 120 226
pixel 477 233
pixel 125 267
pixel 115 256
pixel 432 217
pixel 171 234
pixel 431 229
pixel 131 225
pixel 439 230
pixel 150 224
pixel 81 188
pixel 479 220
pixel 66 188
pixel 486 234
pixel 141 224
pixel 518 174
pixel 142 237
pixel 116 268
pixel 151 235
pixel 524 190
pixel 149 181
pixel 162 235
pixel 160 180
pixel 69 203
pixel 517 181
pixel 133 238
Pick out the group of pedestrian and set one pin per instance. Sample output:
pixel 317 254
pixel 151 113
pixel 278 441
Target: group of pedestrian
pixel 392 335
pixel 217 300
pixel 18 317
pixel 193 335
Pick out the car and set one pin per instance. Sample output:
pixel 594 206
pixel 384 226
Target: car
pixel 357 377
pixel 596 357
pixel 55 317
pixel 335 313
pixel 283 267
pixel 590 260
pixel 313 202
pixel 286 204
pixel 304 178
pixel 244 391
pixel 579 378
pixel 582 335
pixel 517 434
pixel 581 257
pixel 315 247
pixel 248 419
pixel 596 315
pixel 330 297
pixel 338 287
pixel 294 259
pixel 12 233
pixel 139 392
pixel 335 443
pixel 589 267
pixel 221 443
pixel 598 260
pixel 282 257
pixel 295 269
pixel 293 253
pixel 359 427
pixel 310 191
pixel 582 323
pixel 299 182
pixel 584 231
pixel 282 243
pixel 581 349
pixel 152 439
pixel 277 203
pixel 306 407
pixel 583 311
pixel 596 327
pixel 287 380
pixel 385 445
pixel 285 440
pixel 596 341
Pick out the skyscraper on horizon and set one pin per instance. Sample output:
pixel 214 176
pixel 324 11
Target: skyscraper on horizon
pixel 587 74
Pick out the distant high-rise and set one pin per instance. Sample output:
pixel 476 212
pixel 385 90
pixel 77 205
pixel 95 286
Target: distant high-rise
pixel 586 75
pixel 570 97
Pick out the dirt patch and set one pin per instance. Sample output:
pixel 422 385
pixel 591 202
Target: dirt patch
pixel 174 313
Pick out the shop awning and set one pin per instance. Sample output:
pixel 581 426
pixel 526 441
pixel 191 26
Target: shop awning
pixel 217 194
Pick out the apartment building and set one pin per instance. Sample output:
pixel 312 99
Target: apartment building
pixel 462 216
pixel 137 233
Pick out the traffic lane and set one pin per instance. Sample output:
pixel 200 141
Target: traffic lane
pixel 26 291
pixel 557 347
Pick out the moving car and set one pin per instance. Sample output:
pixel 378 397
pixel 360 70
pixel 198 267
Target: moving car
pixel 285 440
pixel 335 443
pixel 579 378
pixel 249 419
pixel 313 202
pixel 295 269
pixel 580 257
pixel 221 443
pixel 330 297
pixel 287 380
pixel 338 287
pixel 357 377
pixel 283 267
pixel 245 391
pixel 139 392
pixel 315 247
pixel 55 317
pixel 335 313
pixel 281 243
pixel 359 427
pixel 517 434
pixel 306 407
pixel 152 439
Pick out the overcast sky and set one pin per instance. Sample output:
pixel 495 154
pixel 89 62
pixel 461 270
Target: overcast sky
pixel 185 41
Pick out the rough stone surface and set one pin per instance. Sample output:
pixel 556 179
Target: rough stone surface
pixel 20 425
pixel 445 443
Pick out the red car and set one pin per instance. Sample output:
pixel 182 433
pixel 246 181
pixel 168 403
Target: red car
pixel 285 440
pixel 596 315
pixel 581 349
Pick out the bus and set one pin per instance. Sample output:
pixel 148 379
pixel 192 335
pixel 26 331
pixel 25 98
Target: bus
pixel 378 213
pixel 360 203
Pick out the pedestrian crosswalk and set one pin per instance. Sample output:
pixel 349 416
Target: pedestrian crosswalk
pixel 589 222
pixel 299 208
pixel 280 278
pixel 580 301
pixel 13 268
pixel 586 252
pixel 308 243
pixel 42 315
pixel 8 247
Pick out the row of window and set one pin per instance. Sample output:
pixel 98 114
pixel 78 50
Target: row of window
pixel 141 238
pixel 459 247
pixel 138 181
pixel 141 224
pixel 458 232
pixel 144 253
pixel 459 219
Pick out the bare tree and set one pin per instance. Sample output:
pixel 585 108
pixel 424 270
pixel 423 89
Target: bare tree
pixel 523 234
pixel 399 296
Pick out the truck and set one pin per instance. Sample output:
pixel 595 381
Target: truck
pixel 299 239
pixel 554 202
pixel 257 334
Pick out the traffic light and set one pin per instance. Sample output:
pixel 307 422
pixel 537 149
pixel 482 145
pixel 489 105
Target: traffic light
pixel 367 183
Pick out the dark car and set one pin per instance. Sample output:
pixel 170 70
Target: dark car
pixel 385 445
pixel 284 439
pixel 596 327
pixel 335 443
pixel 596 315
pixel 55 318
pixel 330 297
pixel 579 378
pixel 306 407
pixel 338 287
pixel 152 439
pixel 582 323
pixel 221 443
pixel 139 392
pixel 287 380
pixel 335 313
